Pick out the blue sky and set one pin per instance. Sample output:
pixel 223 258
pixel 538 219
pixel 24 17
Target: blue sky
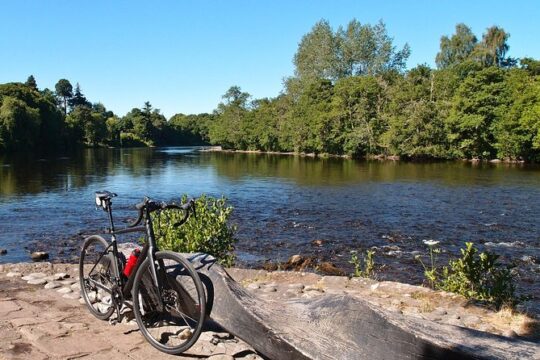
pixel 183 55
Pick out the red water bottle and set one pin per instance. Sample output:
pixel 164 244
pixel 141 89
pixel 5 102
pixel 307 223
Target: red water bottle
pixel 131 262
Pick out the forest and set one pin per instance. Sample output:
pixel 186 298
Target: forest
pixel 351 94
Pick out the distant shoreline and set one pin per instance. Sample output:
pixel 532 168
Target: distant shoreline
pixel 368 157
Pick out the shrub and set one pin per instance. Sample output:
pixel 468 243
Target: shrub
pixel 208 232
pixel 364 267
pixel 479 277
pixel 473 275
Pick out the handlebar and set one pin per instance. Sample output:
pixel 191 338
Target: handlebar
pixel 151 206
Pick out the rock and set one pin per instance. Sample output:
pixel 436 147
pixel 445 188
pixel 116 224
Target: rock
pixel 33 276
pixel 270 266
pixel 75 287
pixel 328 268
pixel 185 334
pixel 39 255
pixel 52 285
pixel 317 242
pixel 71 295
pixel 510 333
pixel 221 357
pixel 67 282
pixel 313 288
pixel 295 260
pixel 60 276
pixel 64 290
pixel 3 251
pixel 253 286
pixel 13 274
pixel 296 287
pixel 374 286
pixel 269 289
pixel 38 281
pixel 81 301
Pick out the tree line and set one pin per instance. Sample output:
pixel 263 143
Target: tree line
pixel 64 119
pixel 350 94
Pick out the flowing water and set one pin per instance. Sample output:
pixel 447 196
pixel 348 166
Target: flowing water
pixel 283 203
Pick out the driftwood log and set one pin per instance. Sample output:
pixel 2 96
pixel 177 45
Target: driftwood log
pixel 341 327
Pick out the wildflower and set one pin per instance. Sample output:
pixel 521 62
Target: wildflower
pixel 430 242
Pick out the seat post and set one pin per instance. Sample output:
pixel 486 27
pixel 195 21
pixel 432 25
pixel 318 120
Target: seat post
pixel 109 211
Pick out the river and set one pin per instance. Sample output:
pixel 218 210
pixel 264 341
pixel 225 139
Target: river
pixel 283 203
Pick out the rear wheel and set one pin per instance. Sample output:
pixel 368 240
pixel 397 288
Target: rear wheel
pixel 95 276
pixel 172 317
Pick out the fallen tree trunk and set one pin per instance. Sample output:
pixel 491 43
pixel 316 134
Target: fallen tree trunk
pixel 342 327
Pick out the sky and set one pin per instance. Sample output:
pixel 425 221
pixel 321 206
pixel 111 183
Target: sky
pixel 182 56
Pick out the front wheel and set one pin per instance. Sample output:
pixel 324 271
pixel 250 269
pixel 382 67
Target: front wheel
pixel 96 276
pixel 170 316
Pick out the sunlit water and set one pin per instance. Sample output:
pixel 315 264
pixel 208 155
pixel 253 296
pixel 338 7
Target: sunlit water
pixel 283 203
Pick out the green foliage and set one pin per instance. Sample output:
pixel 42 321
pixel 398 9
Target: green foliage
pixel 364 267
pixel 350 96
pixel 473 275
pixel 479 276
pixel 206 232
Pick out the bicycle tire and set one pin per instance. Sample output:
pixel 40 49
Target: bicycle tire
pixel 94 302
pixel 182 294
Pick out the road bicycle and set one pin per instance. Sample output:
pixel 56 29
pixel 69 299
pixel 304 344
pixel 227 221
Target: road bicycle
pixel 163 289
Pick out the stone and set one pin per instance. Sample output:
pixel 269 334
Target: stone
pixel 3 251
pixel 13 274
pixel 221 357
pixel 313 288
pixel 253 286
pixel 71 295
pixel 39 255
pixel 75 286
pixel 60 276
pixel 64 290
pixel 34 276
pixel 52 285
pixel 295 260
pixel 269 289
pixel 37 281
pixel 298 287
pixel 67 282
pixel 317 242
pixel 374 286
pixel 510 333
pixel 81 301
pixel 328 268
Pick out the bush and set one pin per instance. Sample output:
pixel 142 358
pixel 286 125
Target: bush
pixel 473 275
pixel 479 277
pixel 208 232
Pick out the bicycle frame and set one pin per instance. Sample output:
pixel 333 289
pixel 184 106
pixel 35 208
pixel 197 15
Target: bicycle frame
pixel 149 250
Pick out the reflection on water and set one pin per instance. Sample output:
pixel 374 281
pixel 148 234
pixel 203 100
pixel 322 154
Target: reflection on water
pixel 282 203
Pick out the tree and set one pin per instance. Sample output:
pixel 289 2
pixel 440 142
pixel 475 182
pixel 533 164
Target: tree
pixel 355 50
pixel 78 99
pixel 457 48
pixel 19 124
pixel 31 82
pixel 531 65
pixel 316 56
pixel 476 107
pixel 493 48
pixel 64 90
pixel 355 110
pixel 368 50
pixel 230 118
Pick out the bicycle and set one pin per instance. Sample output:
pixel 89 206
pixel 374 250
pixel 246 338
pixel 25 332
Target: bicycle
pixel 163 289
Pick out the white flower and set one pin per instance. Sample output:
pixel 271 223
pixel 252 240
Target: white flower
pixel 430 242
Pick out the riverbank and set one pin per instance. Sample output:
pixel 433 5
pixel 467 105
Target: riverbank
pixel 25 285
pixel 367 157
